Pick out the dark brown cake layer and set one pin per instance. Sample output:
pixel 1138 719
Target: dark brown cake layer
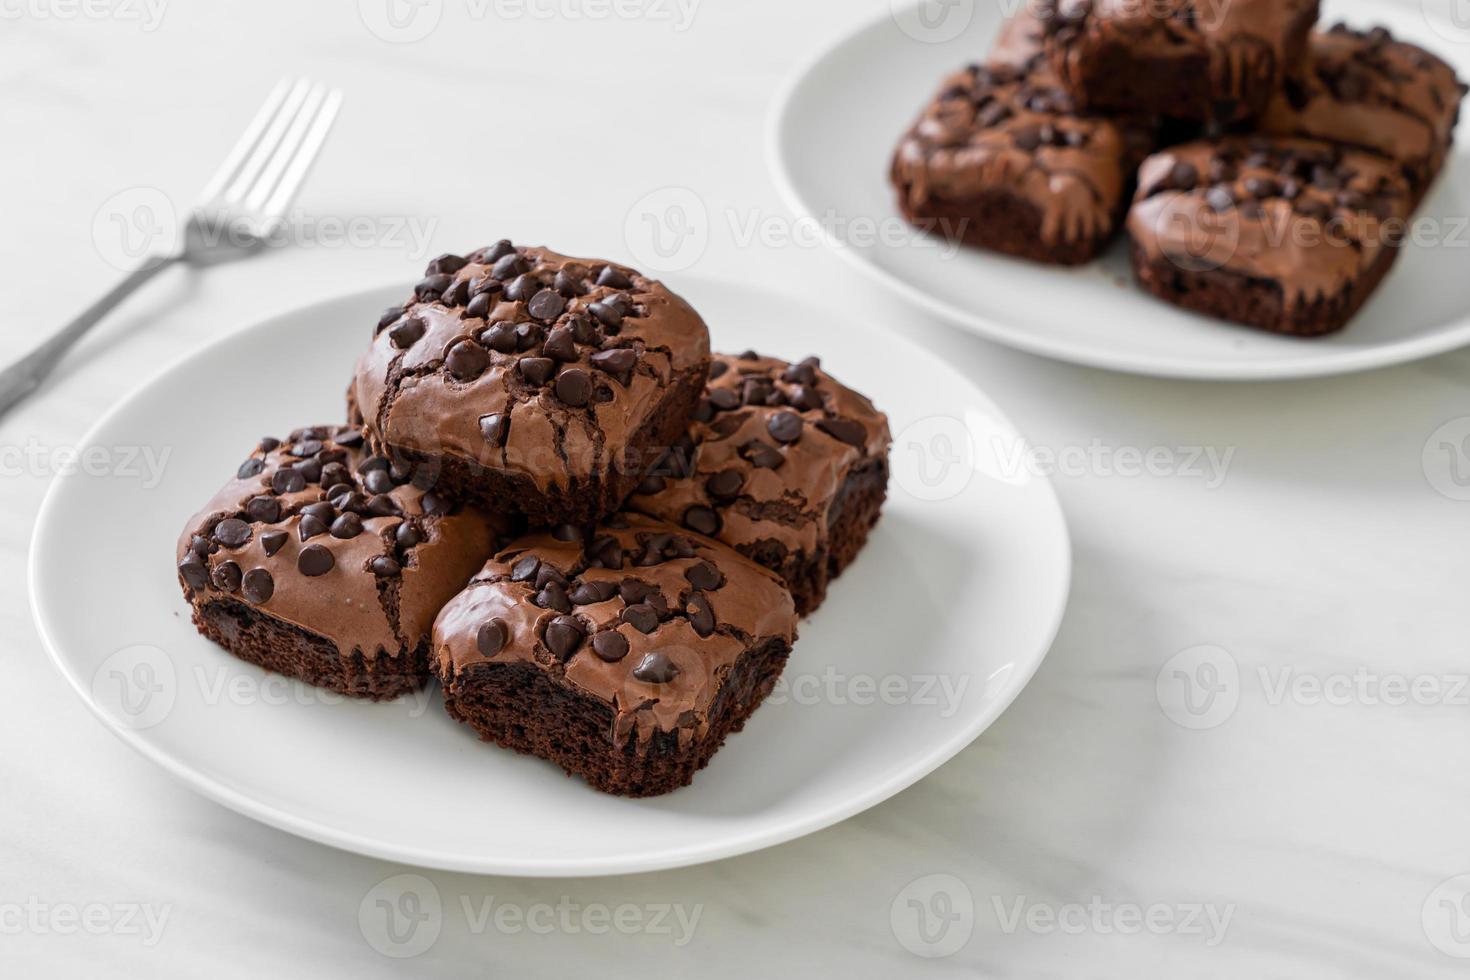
pixel 496 701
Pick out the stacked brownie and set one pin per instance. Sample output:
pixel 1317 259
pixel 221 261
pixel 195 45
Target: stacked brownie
pixel 1285 165
pixel 549 495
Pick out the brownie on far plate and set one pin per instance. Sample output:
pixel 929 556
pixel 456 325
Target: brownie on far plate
pixel 1204 60
pixel 1002 160
pixel 532 381
pixel 1287 235
pixel 326 564
pixel 784 464
pixel 624 653
pixel 1369 91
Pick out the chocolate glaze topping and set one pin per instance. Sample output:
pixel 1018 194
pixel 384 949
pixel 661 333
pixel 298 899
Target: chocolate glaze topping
pixel 317 533
pixel 523 360
pixel 635 613
pixel 767 454
pixel 1311 216
pixel 1367 90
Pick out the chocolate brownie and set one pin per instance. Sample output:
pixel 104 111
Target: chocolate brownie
pixel 1371 92
pixel 783 464
pixel 625 653
pixel 323 563
pixel 1283 234
pixel 1215 60
pixel 532 381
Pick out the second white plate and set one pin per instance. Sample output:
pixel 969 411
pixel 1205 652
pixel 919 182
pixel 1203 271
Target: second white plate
pixel 836 126
pixel 919 647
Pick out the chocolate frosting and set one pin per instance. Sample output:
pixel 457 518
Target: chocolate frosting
pixel 1244 41
pixel 526 361
pixel 757 489
pixel 1009 126
pixel 1310 216
pixel 382 589
pixel 549 598
pixel 1365 89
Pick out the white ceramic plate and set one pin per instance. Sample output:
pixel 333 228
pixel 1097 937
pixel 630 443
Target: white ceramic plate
pixel 833 133
pixel 952 605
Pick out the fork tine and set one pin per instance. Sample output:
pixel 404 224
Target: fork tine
pixel 247 141
pixel 300 165
pixel 258 157
pixel 260 191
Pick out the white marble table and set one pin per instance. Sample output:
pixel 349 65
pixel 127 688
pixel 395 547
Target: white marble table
pixel 1304 831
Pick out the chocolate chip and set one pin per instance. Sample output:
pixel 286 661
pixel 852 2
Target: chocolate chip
pixel 704 576
pixel 251 467
pixel 492 637
pixel 456 294
pixel 568 284
pixel 385 567
pixel 785 427
pixel 563 636
pixel 702 519
pixel 1184 176
pixel 1027 138
pixel 725 485
pixel 701 616
pixel 656 668
pixel 499 337
pixel 554 596
pixel 574 387
pixel 467 360
pixel 478 307
pixel 725 399
pixel 1220 198
pixel 193 570
pixel 335 475
pixel 845 430
pixel 232 532
pixel 407 535
pixel 226 576
pixel 310 527
pixel 389 315
pixel 430 287
pixel 613 278
pixel 607 314
pixel 272 541
pixel 348 438
pixel 522 288
pixel 448 262
pixel 495 428
pixel 536 370
pixel 755 391
pixel 547 305
pixel 258 586
pixel 525 569
pixel 761 455
pixel 310 469
pixel 610 645
pixel 315 560
pixel 588 593
pixel 619 360
pixel 266 510
pixel 508 266
pixel 347 526
pixel 584 331
pixel 528 335
pixel 288 481
pixel 377 481
pixel 382 505
pixel 433 504
pixel 641 616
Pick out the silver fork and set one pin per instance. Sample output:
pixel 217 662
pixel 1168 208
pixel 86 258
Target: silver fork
pixel 240 208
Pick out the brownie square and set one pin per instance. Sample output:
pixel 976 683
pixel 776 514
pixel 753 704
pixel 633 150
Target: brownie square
pixel 1002 159
pixel 534 382
pixel 1283 234
pixel 1369 91
pixel 782 463
pixel 1203 60
pixel 624 653
pixel 323 563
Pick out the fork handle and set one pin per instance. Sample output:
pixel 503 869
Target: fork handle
pixel 26 374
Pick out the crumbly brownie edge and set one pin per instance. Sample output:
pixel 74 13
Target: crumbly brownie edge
pixel 1001 221
pixel 581 502
pixel 518 706
pixel 1256 302
pixel 261 639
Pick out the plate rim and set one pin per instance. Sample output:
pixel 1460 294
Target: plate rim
pixel 278 818
pixel 1183 368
